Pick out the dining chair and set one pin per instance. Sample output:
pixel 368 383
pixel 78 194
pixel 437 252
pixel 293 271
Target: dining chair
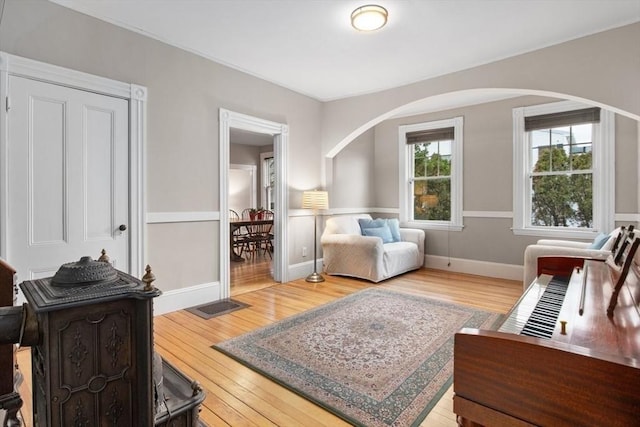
pixel 259 235
pixel 268 236
pixel 239 235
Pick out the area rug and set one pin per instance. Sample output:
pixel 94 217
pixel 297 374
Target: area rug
pixel 374 358
pixel 207 311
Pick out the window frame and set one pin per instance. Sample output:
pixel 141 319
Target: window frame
pixel 405 192
pixel 603 173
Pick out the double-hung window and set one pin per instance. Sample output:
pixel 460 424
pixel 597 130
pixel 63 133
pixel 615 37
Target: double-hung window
pixel 563 170
pixel 268 178
pixel 431 174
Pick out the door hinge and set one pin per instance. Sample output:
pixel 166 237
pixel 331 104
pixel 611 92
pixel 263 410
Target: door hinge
pixel 7 104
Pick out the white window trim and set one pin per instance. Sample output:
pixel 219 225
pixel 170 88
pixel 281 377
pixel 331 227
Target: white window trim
pixel 603 150
pixel 405 158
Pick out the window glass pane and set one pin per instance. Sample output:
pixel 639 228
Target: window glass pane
pixel 551 149
pixel 432 200
pixel 582 137
pixel 581 157
pixel 539 142
pixel 582 199
pixel 562 200
pixel 560 141
pixel 551 159
pixel 432 159
pixel 561 149
pixel 582 133
pixel 420 160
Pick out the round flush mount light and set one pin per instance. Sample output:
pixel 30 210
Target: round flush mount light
pixel 369 18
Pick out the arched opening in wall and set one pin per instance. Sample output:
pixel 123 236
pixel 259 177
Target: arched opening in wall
pixel 457 99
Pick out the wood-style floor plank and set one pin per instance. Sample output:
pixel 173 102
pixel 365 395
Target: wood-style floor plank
pixel 238 396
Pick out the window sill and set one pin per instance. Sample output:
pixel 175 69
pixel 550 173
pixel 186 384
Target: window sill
pixel 441 226
pixel 556 233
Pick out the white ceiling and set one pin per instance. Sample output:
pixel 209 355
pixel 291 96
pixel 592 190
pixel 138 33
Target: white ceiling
pixel 309 46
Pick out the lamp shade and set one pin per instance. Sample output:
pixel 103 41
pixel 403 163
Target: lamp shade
pixel 315 200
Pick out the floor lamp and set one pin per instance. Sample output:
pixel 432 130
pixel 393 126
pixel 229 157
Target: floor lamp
pixel 315 200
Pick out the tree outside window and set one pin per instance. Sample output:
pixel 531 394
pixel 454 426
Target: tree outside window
pixel 432 181
pixel 561 178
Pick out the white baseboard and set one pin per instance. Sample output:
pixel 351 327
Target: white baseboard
pixel 469 266
pixel 179 299
pixel 303 269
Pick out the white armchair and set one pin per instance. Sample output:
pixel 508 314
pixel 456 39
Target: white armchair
pixel 568 248
pixel 347 252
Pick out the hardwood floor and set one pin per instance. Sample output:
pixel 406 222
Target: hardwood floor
pixel 252 274
pixel 238 396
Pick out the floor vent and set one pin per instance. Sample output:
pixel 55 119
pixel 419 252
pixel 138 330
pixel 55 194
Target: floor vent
pixel 207 311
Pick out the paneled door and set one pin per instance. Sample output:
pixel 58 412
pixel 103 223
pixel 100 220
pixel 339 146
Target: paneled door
pixel 68 177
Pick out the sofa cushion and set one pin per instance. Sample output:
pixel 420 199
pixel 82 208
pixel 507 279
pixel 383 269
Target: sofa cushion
pixel 400 257
pixel 599 241
pixel 382 232
pixel 394 226
pixel 371 223
pixel 347 224
pixel 392 223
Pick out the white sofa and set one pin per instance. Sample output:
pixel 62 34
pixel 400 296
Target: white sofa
pixel 561 248
pixel 347 252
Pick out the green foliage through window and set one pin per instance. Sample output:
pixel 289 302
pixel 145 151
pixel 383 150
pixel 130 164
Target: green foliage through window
pixel 562 181
pixel 432 181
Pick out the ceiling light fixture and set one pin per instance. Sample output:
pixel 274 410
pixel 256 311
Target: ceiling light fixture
pixel 369 18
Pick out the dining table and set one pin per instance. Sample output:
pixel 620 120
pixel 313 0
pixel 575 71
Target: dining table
pixel 238 224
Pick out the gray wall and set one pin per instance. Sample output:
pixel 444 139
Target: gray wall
pixel 488 177
pixel 185 94
pixel 355 171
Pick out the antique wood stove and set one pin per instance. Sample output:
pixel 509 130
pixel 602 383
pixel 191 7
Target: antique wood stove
pixel 90 328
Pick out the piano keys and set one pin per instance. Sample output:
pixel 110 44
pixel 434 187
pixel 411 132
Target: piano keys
pixel 538 309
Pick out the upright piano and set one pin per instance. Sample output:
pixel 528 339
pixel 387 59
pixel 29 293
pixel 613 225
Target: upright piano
pixel 568 353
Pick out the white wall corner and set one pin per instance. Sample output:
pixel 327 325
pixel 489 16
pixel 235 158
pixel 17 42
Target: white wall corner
pixel 179 299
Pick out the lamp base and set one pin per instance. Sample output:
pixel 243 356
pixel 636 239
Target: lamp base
pixel 314 278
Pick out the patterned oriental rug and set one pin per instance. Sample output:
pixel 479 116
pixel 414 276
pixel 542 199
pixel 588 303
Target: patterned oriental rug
pixel 374 358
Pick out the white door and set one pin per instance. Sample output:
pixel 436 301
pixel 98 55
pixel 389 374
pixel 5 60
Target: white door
pixel 68 177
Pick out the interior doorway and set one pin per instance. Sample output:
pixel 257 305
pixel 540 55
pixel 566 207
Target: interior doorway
pixel 232 123
pixel 251 180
